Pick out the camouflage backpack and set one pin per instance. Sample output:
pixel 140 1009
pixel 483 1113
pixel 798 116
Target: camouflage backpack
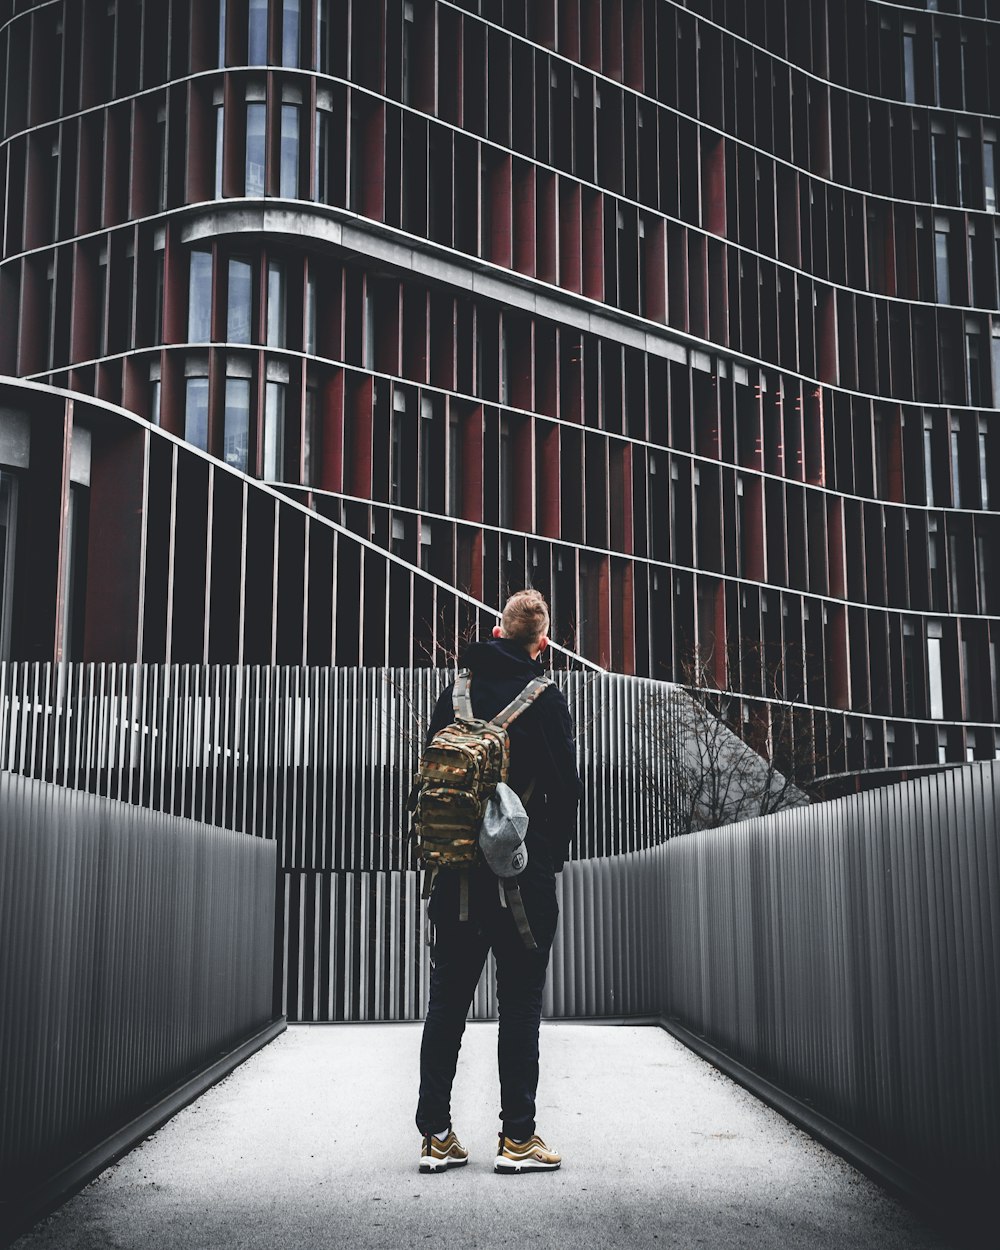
pixel 459 771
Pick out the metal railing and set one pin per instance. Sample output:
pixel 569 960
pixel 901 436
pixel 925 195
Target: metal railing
pixel 137 948
pixel 319 760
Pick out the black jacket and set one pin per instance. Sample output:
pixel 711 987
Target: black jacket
pixel 541 743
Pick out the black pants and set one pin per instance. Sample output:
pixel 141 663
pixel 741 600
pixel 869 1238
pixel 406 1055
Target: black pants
pixel 457 959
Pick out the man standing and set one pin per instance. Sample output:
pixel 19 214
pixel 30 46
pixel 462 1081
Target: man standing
pixel 543 772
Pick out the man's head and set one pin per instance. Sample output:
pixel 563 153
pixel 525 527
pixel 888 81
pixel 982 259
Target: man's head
pixel 525 620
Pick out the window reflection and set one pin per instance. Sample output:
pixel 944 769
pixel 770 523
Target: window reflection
pixel 196 412
pixel 237 422
pixel 275 304
pixel 200 297
pixel 220 126
pixel 290 19
pixel 240 301
pixel 289 171
pixel 257 33
pixel 274 432
pixel 255 149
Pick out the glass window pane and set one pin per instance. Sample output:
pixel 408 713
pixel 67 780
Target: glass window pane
pixel 275 304
pixel 255 149
pixel 934 678
pixel 240 302
pixel 257 34
pixel 322 36
pixel 310 325
pixel 222 32
pixel 219 131
pixel 196 413
pixel 200 298
pixel 237 424
pixel 289 173
pixel 322 171
pixel 909 74
pixel 309 436
pixel 941 266
pixel 990 176
pixel 274 432
pixel 290 33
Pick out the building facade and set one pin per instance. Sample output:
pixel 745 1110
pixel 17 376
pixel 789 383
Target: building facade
pixel 687 314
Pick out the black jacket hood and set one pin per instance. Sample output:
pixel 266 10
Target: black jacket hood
pixel 500 657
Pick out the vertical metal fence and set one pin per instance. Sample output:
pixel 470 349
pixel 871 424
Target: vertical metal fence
pixel 137 947
pixel 849 954
pixel 319 760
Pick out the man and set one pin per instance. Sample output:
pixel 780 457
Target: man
pixel 543 771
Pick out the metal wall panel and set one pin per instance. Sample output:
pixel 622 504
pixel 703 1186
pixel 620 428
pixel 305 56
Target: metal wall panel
pixel 136 948
pixel 849 953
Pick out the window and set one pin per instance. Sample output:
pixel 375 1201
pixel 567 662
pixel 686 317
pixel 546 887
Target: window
pixel 909 70
pixel 407 57
pixel 990 175
pixel 239 303
pixel 966 191
pixel 102 301
pixel 941 167
pixel 255 148
pixel 309 434
pixel 275 304
pixel 956 484
pixel 454 465
pixel 237 422
pixel 161 158
pixel 220 128
pixel 274 431
pixel 309 329
pixel 974 365
pixel 934 683
pixel 200 297
pixel 929 459
pixel 984 481
pixel 321 174
pixel 910 653
pixel 506 474
pixel 323 36
pixel 196 412
pixel 155 392
pixel 8 517
pixel 397 448
pixel 288 173
pixel 995 343
pixel 941 262
pixel 290 21
pixel 158 257
pixel 222 33
pixel 257 33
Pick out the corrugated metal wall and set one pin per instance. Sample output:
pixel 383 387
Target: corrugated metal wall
pixel 136 946
pixel 849 953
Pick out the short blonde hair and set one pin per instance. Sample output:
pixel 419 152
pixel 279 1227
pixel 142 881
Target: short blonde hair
pixel 525 617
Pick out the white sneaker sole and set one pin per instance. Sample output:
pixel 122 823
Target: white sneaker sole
pixel 503 1164
pixel 442 1165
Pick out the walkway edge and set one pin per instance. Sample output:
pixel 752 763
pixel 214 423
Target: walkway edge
pixel 835 1137
pixel 54 1191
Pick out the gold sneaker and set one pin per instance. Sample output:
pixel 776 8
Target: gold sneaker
pixel 530 1156
pixel 437 1155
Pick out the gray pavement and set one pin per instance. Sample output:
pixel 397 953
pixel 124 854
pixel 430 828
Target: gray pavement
pixel 311 1143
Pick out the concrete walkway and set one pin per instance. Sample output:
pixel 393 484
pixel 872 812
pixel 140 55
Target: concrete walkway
pixel 311 1144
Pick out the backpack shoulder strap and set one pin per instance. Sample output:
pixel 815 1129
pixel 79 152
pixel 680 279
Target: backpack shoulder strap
pixel 523 701
pixel 460 699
